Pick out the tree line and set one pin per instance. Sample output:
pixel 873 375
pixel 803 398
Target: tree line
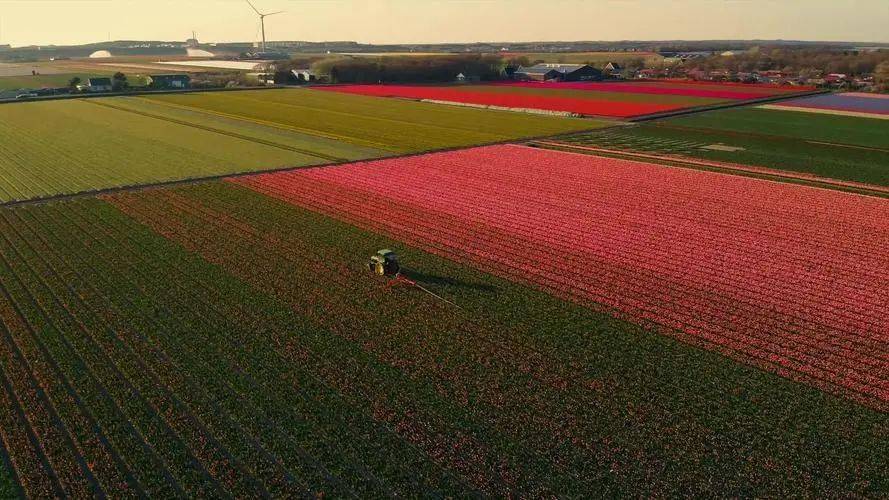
pixel 400 69
pixel 804 62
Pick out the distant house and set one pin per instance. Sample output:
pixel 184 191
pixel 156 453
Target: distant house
pixel 304 75
pixel 463 78
pixel 836 79
pixel 652 73
pixel 613 69
pixel 563 72
pixel 263 78
pixel 169 81
pixel 97 85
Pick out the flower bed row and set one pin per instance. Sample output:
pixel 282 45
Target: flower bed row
pixel 782 274
pixel 591 106
pixel 615 99
pixel 645 88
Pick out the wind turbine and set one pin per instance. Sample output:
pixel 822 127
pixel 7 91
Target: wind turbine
pixel 262 20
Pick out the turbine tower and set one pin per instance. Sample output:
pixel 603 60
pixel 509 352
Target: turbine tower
pixel 262 20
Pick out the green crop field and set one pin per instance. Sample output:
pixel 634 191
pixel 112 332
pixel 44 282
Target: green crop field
pixel 398 126
pixel 59 147
pixel 805 126
pixel 70 146
pixel 851 149
pixel 207 340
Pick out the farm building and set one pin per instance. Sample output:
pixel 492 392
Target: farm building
pixel 613 69
pixel 97 85
pixel 169 81
pixel 304 75
pixel 564 72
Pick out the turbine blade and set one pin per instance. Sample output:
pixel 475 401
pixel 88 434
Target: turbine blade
pixel 273 13
pixel 253 7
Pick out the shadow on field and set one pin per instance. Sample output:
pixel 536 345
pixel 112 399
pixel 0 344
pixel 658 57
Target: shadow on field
pixel 431 279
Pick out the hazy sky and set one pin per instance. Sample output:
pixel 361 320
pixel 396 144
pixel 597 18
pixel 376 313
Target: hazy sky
pixel 25 22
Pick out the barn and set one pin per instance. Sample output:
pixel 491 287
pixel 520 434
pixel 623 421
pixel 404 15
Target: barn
pixel 562 72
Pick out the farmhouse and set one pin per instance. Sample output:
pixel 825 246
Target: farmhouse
pixel 564 72
pixel 169 81
pixel 97 85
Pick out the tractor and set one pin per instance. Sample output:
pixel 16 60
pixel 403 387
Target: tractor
pixel 385 263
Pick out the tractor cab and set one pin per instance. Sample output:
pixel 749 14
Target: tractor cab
pixel 385 263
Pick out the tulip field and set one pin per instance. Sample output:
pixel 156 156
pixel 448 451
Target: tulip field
pixel 788 278
pixel 186 309
pixel 609 99
pixel 210 340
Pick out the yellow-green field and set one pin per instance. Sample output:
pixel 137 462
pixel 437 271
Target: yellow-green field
pixel 60 147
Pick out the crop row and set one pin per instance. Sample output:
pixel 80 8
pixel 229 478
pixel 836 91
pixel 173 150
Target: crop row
pixel 62 147
pixel 774 273
pixel 644 88
pixel 166 407
pixel 581 105
pixel 381 124
pixel 617 99
pixel 212 341
pixel 337 298
pixel 509 404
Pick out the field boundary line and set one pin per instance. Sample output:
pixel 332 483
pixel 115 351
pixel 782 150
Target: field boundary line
pixel 762 173
pixel 39 200
pixel 219 131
